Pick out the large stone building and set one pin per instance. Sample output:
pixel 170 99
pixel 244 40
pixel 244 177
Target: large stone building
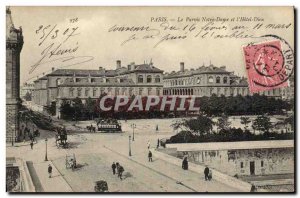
pixel 67 84
pixel 14 44
pixel 208 80
pixel 26 88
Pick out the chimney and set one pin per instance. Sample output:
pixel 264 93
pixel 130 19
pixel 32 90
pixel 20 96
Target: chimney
pixel 182 66
pixel 53 68
pixel 223 67
pixel 132 65
pixel 118 64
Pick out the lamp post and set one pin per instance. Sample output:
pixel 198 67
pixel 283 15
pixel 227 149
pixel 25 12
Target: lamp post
pixel 130 145
pixel 46 158
pixel 133 126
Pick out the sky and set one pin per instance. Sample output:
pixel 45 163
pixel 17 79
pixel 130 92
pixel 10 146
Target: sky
pixel 93 41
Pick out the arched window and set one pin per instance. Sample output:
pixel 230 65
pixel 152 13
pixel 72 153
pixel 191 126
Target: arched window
pixel 140 79
pixel 198 80
pixel 225 80
pixel 58 81
pixel 210 79
pixel 218 79
pixel 149 79
pixel 157 79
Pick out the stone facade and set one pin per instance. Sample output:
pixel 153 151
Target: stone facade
pixel 67 84
pixel 242 158
pixel 14 43
pixel 247 162
pixel 208 80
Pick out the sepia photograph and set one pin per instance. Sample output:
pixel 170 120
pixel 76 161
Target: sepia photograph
pixel 150 99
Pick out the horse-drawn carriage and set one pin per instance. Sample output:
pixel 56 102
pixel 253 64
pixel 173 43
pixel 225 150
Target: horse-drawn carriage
pixel 71 161
pixel 61 138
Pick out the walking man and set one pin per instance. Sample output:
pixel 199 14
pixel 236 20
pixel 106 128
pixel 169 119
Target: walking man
pixel 50 170
pixel 148 144
pixel 120 172
pixel 150 156
pixel 31 145
pixel 206 172
pixel 113 166
pixel 117 167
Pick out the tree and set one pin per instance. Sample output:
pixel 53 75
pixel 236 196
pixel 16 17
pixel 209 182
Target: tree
pixel 90 107
pixel 200 125
pixel 223 123
pixel 28 96
pixel 66 110
pixel 78 107
pixel 245 121
pixel 262 123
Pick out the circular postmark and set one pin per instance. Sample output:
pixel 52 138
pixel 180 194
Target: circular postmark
pixel 268 60
pixel 270 63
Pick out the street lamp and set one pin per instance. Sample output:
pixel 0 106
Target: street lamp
pixel 46 158
pixel 129 145
pixel 133 126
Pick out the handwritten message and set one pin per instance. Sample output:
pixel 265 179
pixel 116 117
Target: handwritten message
pixel 163 29
pixel 59 45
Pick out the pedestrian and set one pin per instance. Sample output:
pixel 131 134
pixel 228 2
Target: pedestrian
pixel 120 172
pixel 185 164
pixel 206 172
pixel 157 143
pixel 117 167
pixel 209 175
pixel 50 170
pixel 31 145
pixel 150 156
pixel 148 144
pixel 113 166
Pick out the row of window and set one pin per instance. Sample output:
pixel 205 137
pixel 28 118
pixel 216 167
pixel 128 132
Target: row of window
pixel 117 92
pixel 198 80
pixel 148 79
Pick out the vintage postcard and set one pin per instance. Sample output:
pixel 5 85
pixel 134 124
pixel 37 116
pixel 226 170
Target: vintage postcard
pixel 150 99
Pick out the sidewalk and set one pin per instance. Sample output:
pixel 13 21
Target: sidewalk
pixel 188 179
pixel 54 184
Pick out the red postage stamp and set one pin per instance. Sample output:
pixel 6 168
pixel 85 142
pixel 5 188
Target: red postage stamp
pixel 265 64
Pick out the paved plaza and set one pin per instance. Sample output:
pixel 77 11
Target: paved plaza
pixel 95 153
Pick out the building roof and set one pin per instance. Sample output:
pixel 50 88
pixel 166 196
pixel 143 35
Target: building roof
pixel 83 72
pixel 104 72
pixel 240 83
pixel 147 68
pixel 242 145
pixel 211 69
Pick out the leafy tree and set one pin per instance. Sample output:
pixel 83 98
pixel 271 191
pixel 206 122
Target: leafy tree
pixel 78 108
pixel 200 125
pixel 262 123
pixel 245 121
pixel 223 123
pixel 28 96
pixel 66 110
pixel 90 107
